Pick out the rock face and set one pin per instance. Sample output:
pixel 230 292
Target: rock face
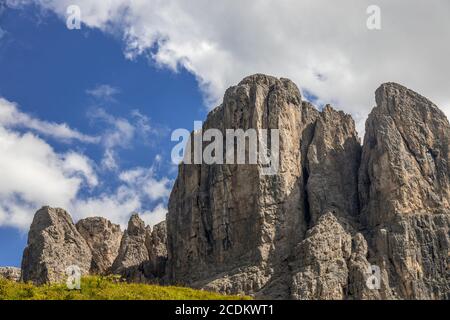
pixel 133 251
pixel 333 217
pixel 232 229
pixel 405 192
pixel 143 252
pixel 10 273
pixel 95 245
pixel 157 250
pixel 54 244
pixel 332 262
pixel 225 221
pixel 332 165
pixel 405 162
pixel 103 239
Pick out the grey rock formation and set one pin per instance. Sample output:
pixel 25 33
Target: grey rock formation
pixel 405 192
pixel 156 243
pixel 133 251
pixel 10 273
pixel 332 165
pixel 103 238
pixel 405 167
pixel 225 221
pixel 334 210
pixel 54 244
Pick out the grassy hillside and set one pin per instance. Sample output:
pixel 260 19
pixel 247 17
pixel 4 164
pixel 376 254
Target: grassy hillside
pixel 104 288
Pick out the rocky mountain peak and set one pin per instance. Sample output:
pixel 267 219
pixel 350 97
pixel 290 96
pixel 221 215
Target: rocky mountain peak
pixel 54 244
pixel 405 161
pixel 390 91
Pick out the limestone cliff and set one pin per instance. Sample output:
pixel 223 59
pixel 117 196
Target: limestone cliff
pixel 405 193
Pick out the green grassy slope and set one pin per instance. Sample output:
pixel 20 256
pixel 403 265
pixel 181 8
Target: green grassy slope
pixel 104 288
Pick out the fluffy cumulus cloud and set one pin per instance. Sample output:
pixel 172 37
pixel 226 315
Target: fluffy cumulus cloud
pixel 34 174
pixel 326 49
pixel 155 216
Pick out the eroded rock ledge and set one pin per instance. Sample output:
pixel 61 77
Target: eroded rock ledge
pixel 312 231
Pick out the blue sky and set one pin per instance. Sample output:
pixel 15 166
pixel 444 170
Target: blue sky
pixel 49 71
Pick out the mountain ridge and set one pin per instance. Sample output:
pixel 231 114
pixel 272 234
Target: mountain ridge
pixel 334 213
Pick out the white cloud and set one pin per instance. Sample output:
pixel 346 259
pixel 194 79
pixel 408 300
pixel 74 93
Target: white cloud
pixel 139 187
pixel 75 163
pixel 30 166
pixel 325 49
pixel 143 123
pixel 104 92
pixel 116 207
pixel 155 216
pixel 120 131
pixel 144 180
pixel 33 174
pixel 16 213
pixel 119 134
pixel 12 117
